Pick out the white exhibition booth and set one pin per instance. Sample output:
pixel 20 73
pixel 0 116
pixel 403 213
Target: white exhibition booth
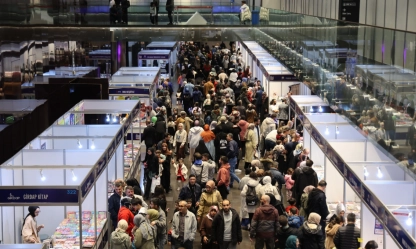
pixel 165 59
pixel 68 171
pixel 361 176
pixel 276 79
pixel 169 45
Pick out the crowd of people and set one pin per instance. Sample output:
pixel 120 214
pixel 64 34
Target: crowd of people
pixel 224 119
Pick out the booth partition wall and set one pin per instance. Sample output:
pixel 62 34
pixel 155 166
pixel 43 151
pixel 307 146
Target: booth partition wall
pixel 64 171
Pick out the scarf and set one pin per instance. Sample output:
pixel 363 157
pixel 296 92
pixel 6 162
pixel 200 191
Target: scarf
pixel 212 208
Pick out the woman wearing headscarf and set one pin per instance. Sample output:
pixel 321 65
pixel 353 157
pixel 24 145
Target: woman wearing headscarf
pixel 119 238
pixel 331 229
pixel 210 197
pixel 268 188
pixel 165 178
pixel 249 210
pixel 251 145
pixel 153 214
pixel 291 242
pixel 304 200
pixel 208 137
pixel 152 168
pixel 30 230
pixel 206 229
pixel 310 233
pixel 145 234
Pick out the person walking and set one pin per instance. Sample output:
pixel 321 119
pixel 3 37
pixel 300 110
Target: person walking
pixel 264 224
pixel 310 233
pixel 250 144
pixel 145 234
pixel 120 238
pixel 332 229
pixel 192 190
pixel 206 229
pixel 268 188
pixel 303 177
pixel 348 237
pixel 317 203
pixel 183 228
pixel 227 233
pixel 201 169
pixel 179 141
pixel 194 137
pixel 232 154
pixel 170 5
pixel 210 197
pixel 223 177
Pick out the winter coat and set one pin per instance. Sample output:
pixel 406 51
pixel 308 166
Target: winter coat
pixel 125 214
pixel 189 226
pixel 283 233
pixel 120 240
pixel 170 5
pixel 267 126
pixel 289 182
pixel 257 186
pixel 207 200
pixel 223 175
pixel 347 237
pixel 310 236
pixel 218 223
pixel 294 221
pixel 303 204
pixel 303 177
pixel 194 136
pixel 206 169
pixel 330 234
pixel 161 224
pixel 149 135
pixel 265 222
pixel 180 137
pixel 114 207
pixel 243 126
pixel 268 188
pixel 141 243
pixel 251 145
pixel 186 192
pixel 317 203
pixel 184 170
pixel 243 182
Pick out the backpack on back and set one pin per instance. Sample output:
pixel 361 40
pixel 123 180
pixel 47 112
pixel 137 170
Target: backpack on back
pixel 251 197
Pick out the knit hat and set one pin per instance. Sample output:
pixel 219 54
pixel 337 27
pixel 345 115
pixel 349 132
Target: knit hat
pixel 314 218
pixel 122 225
pixel 153 214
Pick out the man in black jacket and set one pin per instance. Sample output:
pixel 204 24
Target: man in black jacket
pixel 304 177
pixel 114 203
pixel 170 5
pixel 227 233
pixel 348 237
pixel 149 135
pixel 317 203
pixel 284 231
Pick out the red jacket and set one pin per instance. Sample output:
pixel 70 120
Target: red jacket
pixel 223 176
pixel 125 214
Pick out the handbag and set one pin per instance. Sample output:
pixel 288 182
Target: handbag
pixel 155 182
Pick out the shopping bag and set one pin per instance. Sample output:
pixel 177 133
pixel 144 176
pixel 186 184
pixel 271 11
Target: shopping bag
pixel 155 182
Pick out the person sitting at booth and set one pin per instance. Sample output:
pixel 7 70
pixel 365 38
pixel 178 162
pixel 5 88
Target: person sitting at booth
pixel 30 230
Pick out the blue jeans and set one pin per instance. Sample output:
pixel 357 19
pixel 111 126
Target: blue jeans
pixel 233 163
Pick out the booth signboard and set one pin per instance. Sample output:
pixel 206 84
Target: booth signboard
pixel 299 112
pixel 353 180
pixel 320 141
pixel 373 203
pixel 38 195
pixel 336 160
pixel 153 56
pixel 283 77
pixel 378 227
pixel 128 91
pixel 88 183
pixel 111 149
pixel 119 136
pixel 100 166
pixel 399 234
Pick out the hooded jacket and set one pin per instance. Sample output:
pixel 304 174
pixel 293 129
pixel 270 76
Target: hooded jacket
pixel 194 136
pixel 310 236
pixel 317 203
pixel 282 235
pixel 303 177
pixel 207 135
pixel 256 185
pixel 243 126
pixel 223 175
pixel 265 222
pixel 268 188
pixel 125 214
pixel 267 126
pixel 219 227
pixel 120 240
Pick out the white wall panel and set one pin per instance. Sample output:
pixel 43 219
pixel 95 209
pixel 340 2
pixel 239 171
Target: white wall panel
pixel 411 17
pixel 363 11
pixel 401 10
pixel 390 14
pixel 380 13
pixel 371 15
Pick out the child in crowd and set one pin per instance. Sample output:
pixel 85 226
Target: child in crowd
pixel 294 220
pixel 189 206
pixel 289 183
pixel 292 204
pixel 162 158
pixel 181 172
